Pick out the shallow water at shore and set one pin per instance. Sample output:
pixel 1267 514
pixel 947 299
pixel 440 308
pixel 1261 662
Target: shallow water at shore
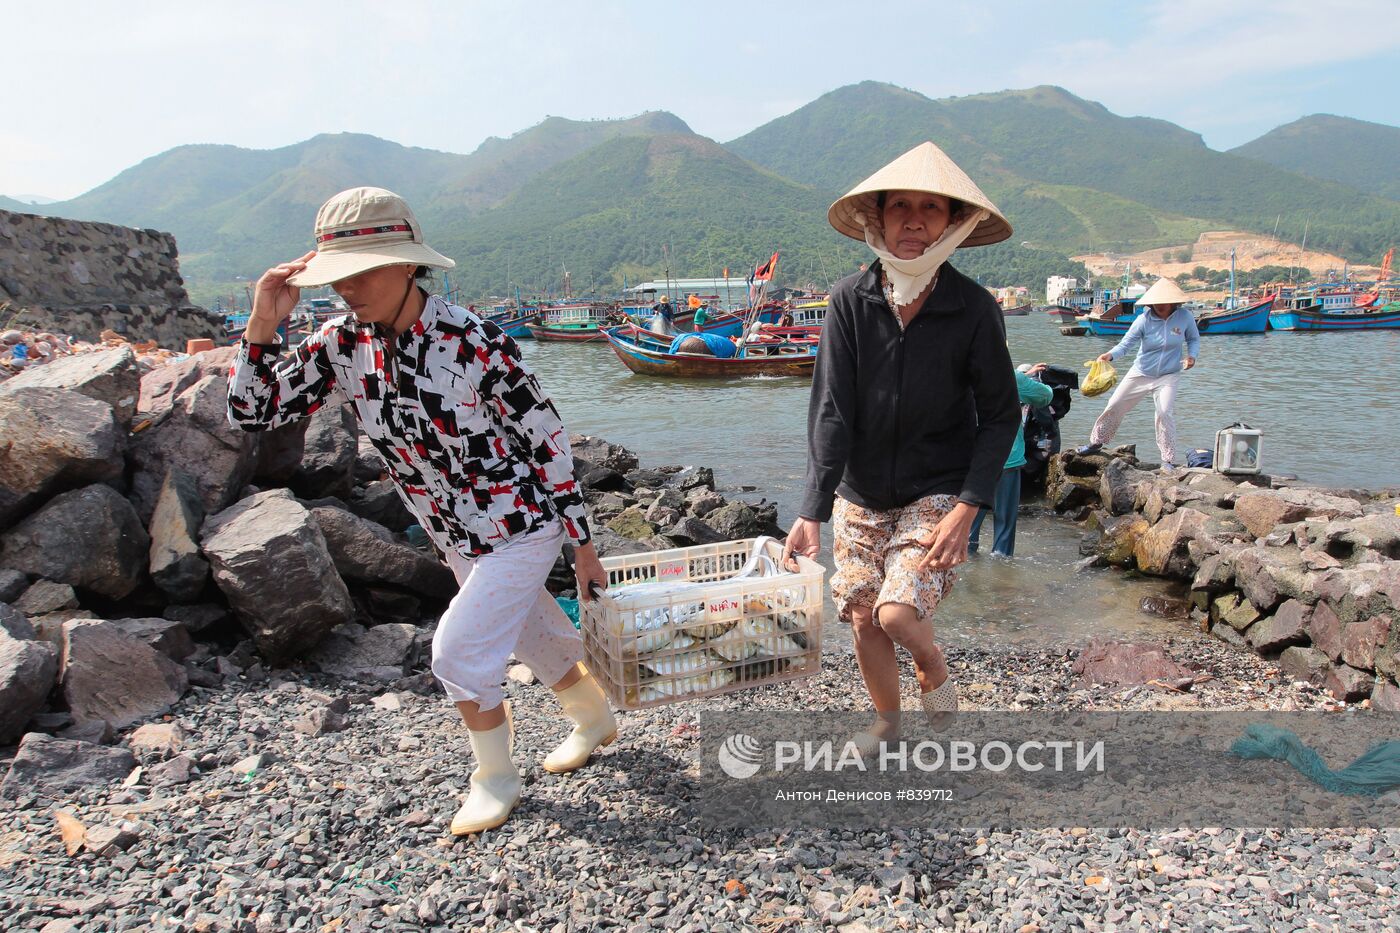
pixel 1323 402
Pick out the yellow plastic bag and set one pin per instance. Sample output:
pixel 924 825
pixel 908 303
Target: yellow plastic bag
pixel 1102 377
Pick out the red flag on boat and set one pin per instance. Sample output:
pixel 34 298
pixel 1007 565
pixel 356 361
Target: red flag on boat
pixel 765 272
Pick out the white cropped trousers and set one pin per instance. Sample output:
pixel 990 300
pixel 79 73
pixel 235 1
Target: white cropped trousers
pixel 1133 389
pixel 502 608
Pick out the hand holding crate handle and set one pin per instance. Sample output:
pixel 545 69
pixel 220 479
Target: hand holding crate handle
pixel 595 588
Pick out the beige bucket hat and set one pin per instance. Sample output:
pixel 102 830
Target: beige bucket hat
pixel 1163 292
pixel 923 168
pixel 362 229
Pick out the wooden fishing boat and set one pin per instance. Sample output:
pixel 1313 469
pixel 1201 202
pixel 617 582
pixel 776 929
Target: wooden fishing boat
pixel 1313 317
pixel 1063 314
pixel 1253 319
pixel 514 321
pixel 730 324
pixel 575 323
pixel 786 354
pixel 1018 311
pixel 1114 319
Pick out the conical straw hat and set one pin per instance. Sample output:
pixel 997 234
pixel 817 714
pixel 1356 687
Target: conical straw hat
pixel 923 168
pixel 1163 292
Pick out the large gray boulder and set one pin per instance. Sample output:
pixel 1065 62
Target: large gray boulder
pixel 380 502
pixel 168 636
pixel 184 408
pixel 381 654
pixel 270 559
pixel 1268 576
pixel 108 376
pixel 176 565
pixel 329 453
pixel 368 552
pixel 735 521
pixel 46 596
pixel 594 452
pixel 609 543
pixel 52 440
pixel 55 768
pixel 12 584
pixel 1118 486
pixel 89 538
pixel 15 623
pixel 1263 511
pixel 1288 626
pixel 28 669
pixel 1162 549
pixel 116 677
pixel 279 453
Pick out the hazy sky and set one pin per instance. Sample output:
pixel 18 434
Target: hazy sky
pixel 90 88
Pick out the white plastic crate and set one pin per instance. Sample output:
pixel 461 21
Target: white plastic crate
pixel 726 635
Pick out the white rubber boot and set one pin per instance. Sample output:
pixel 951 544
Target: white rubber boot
pixel 594 725
pixel 495 784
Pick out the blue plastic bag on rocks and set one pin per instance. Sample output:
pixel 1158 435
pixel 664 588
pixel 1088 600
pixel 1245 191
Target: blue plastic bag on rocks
pixel 570 607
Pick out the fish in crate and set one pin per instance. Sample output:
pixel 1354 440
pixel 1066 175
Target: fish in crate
pixel 701 621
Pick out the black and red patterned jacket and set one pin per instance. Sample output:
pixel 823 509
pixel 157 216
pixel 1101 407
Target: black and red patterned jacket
pixel 477 451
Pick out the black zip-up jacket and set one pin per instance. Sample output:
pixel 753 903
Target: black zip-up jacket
pixel 898 415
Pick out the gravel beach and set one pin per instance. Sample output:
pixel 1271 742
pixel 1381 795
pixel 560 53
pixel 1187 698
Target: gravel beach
pixel 279 828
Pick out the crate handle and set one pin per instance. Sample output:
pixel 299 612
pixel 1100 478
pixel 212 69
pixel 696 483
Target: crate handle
pixel 594 589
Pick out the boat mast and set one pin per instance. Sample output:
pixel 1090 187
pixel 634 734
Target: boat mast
pixel 1232 279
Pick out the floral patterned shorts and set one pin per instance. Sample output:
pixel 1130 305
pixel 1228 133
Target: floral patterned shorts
pixel 878 553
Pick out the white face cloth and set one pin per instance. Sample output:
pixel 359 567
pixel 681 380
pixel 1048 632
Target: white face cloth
pixel 909 277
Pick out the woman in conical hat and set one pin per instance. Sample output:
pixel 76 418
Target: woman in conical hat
pixel 1169 342
pixel 912 415
pixel 478 454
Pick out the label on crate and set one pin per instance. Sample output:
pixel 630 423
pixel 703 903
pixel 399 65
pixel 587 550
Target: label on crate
pixel 724 609
pixel 672 570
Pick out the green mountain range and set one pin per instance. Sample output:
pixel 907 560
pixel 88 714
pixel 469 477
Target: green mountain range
pixel 635 198
pixel 1364 155
pixel 1070 174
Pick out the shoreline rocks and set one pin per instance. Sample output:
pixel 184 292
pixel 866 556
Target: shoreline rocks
pixel 1294 572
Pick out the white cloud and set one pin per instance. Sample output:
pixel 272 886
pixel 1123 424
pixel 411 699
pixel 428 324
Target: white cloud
pixel 1208 58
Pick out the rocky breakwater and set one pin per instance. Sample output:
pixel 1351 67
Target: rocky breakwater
pixel 147 547
pixel 83 278
pixel 1305 576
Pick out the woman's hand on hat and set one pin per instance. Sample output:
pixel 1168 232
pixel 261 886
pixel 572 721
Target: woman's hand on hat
pixel 947 546
pixel 273 298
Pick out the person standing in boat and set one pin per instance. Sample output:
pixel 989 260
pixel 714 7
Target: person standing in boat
pixel 478 454
pixel 1168 344
pixel 912 412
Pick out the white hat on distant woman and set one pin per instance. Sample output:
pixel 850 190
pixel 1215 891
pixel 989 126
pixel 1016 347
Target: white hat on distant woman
pixel 1163 292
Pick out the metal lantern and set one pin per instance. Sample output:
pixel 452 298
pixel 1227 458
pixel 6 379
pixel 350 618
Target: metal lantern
pixel 1237 449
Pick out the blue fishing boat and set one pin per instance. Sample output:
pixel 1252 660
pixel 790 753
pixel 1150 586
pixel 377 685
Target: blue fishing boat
pixel 1253 319
pixel 514 321
pixel 1114 320
pixel 1314 318
pixel 729 324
